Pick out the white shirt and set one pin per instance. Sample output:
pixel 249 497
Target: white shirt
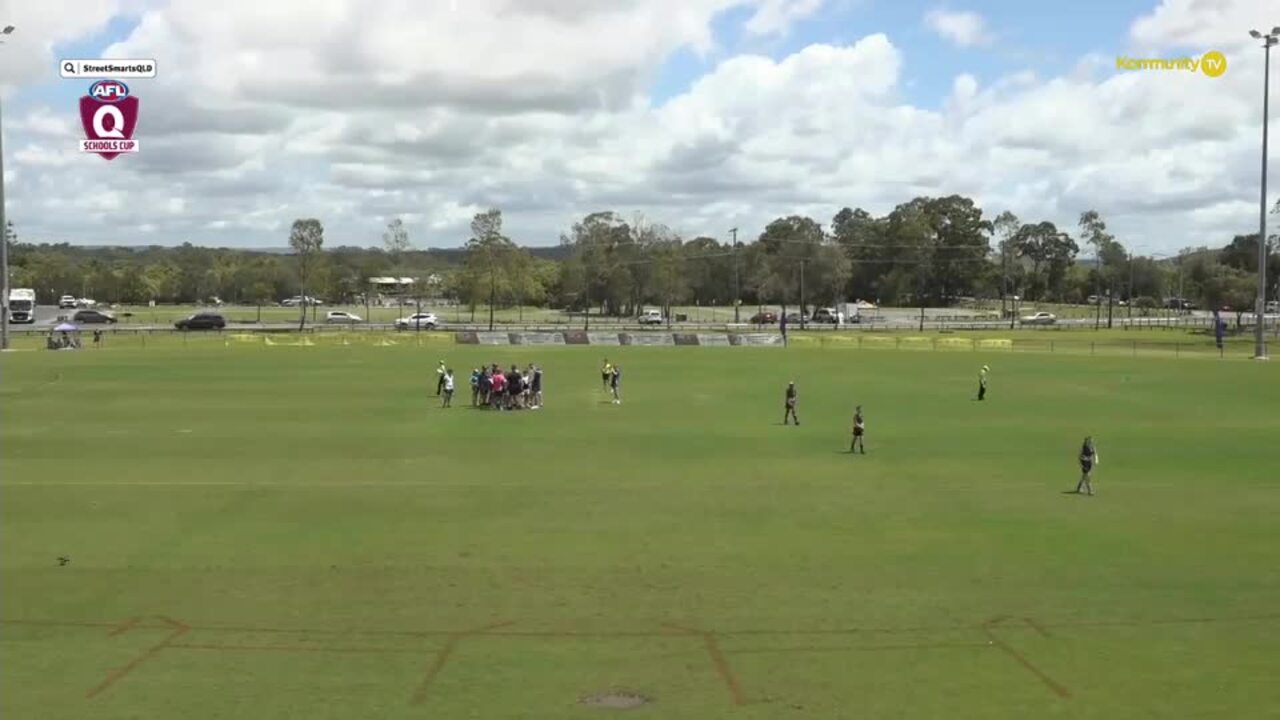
pixel 448 383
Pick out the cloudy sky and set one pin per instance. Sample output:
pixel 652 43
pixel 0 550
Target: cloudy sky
pixel 700 114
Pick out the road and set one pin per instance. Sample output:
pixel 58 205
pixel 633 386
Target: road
pixel 892 319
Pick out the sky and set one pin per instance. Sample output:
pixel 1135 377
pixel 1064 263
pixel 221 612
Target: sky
pixel 702 115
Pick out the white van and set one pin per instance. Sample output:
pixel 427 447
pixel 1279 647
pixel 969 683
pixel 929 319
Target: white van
pixel 651 317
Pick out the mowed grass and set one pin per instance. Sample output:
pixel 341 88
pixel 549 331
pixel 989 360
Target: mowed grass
pixel 277 532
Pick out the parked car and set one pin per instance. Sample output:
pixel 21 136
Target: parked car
pixel 764 318
pixel 793 318
pixel 828 316
pixel 651 317
pixel 202 321
pixel 86 303
pixel 1040 318
pixel 418 321
pixel 1273 306
pixel 67 302
pixel 341 316
pixel 92 317
pixel 297 300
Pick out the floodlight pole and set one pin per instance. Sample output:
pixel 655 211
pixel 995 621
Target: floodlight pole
pixel 1260 343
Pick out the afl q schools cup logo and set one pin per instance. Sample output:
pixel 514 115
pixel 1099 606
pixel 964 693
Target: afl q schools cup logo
pixel 109 115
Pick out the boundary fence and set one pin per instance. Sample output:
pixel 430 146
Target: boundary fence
pixel 1188 346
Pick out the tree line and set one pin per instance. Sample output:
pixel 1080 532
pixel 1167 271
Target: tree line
pixel 933 251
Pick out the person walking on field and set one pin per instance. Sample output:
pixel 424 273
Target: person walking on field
pixel 614 379
pixel 448 388
pixel 859 429
pixel 536 388
pixel 606 375
pixel 790 412
pixel 440 378
pixel 982 382
pixel 1088 461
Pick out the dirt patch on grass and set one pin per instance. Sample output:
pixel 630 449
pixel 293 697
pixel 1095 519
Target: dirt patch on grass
pixel 615 700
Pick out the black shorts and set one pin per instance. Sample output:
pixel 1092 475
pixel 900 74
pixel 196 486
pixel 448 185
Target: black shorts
pixel 857 432
pixel 1086 467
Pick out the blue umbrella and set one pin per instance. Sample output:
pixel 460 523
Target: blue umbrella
pixel 66 327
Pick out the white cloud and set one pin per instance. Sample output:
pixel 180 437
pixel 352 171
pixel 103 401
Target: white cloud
pixel 776 16
pixel 965 29
pixel 540 107
pixel 27 55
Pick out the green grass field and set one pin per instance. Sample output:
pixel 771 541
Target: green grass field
pixel 270 532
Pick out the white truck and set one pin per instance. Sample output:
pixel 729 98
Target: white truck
pixel 22 305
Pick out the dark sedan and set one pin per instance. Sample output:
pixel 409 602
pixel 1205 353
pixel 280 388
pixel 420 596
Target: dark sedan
pixel 91 317
pixel 202 321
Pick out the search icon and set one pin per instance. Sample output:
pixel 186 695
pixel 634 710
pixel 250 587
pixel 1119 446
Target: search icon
pixel 68 68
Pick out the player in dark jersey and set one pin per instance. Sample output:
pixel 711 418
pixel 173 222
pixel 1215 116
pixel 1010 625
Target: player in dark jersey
pixel 789 413
pixel 535 388
pixel 1088 461
pixel 614 379
pixel 859 429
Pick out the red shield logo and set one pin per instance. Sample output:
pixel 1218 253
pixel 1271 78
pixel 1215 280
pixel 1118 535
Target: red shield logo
pixel 109 121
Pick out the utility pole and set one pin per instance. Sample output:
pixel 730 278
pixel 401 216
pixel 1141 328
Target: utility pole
pixel 1004 280
pixel 802 303
pixel 737 288
pixel 4 246
pixel 1180 295
pixel 493 291
pixel 1130 305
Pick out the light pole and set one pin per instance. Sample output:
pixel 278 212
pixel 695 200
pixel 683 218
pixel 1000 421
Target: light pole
pixel 737 289
pixel 1268 40
pixel 4 239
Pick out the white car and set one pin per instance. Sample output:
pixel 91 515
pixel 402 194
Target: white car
pixel 1040 318
pixel 339 316
pixel 418 321
pixel 67 302
pixel 651 317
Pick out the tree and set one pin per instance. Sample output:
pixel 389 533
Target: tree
pixel 1050 252
pixel 396 239
pixel 1005 228
pixel 490 256
pixel 1110 255
pixel 306 238
pixel 598 270
pixel 260 294
pixel 793 262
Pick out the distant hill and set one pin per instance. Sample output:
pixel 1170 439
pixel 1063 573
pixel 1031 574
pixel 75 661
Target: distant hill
pixel 448 255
